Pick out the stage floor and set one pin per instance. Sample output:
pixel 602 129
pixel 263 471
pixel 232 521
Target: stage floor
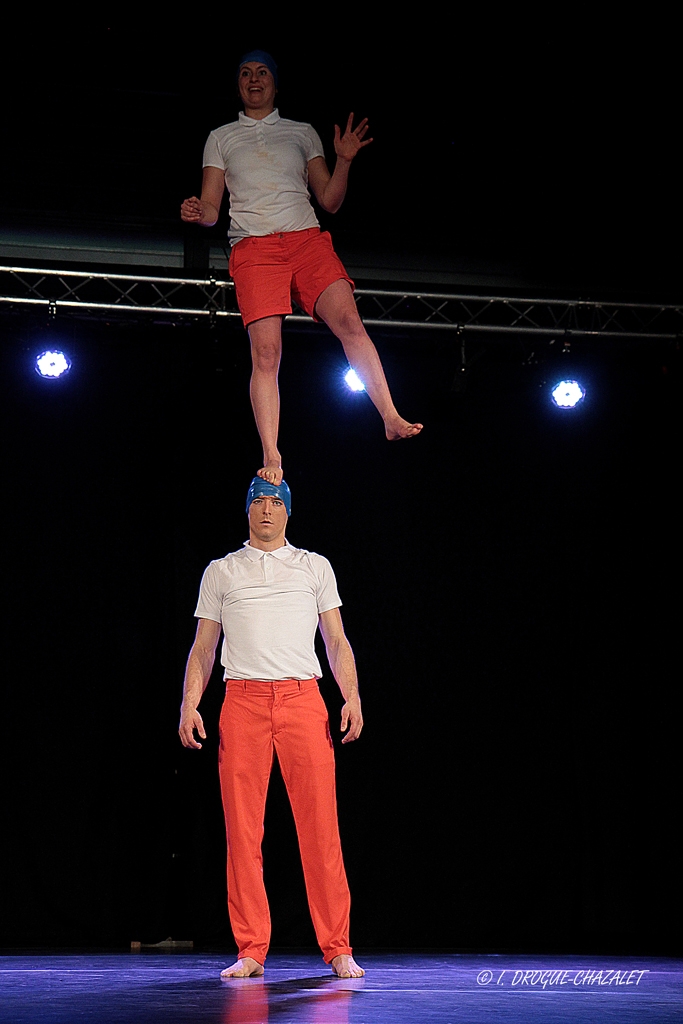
pixel 399 988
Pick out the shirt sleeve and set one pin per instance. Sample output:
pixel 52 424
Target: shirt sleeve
pixel 314 148
pixel 210 604
pixel 327 595
pixel 212 153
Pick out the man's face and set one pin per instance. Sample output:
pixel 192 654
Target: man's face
pixel 257 86
pixel 267 518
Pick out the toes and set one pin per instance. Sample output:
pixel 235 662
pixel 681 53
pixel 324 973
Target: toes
pixel 344 969
pixel 404 430
pixel 235 971
pixel 271 476
pixel 243 970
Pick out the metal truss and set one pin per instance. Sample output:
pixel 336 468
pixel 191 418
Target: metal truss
pixel 129 295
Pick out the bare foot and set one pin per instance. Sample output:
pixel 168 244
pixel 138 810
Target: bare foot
pixel 271 473
pixel 398 428
pixel 244 968
pixel 344 966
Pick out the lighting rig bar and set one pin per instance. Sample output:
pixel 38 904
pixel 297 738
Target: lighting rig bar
pixel 86 294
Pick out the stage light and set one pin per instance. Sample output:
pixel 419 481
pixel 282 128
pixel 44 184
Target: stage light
pixel 567 394
pixel 353 381
pixel 52 364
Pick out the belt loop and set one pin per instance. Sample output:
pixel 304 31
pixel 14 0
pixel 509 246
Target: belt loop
pixel 299 686
pixel 245 685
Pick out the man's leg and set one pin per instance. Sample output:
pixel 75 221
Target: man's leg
pixel 337 308
pixel 266 350
pixel 306 756
pixel 245 761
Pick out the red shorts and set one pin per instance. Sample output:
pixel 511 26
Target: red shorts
pixel 269 270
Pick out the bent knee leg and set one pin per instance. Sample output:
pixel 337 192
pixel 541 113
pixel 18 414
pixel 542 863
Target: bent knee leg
pixel 347 325
pixel 355 340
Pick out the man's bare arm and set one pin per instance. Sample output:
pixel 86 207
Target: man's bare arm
pixel 330 189
pixel 197 674
pixel 343 665
pixel 205 211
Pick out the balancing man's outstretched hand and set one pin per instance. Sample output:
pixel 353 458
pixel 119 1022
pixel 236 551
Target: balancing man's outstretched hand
pixel 346 146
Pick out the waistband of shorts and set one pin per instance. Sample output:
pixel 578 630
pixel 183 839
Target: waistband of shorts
pixel 284 235
pixel 268 687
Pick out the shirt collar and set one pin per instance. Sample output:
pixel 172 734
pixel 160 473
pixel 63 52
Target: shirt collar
pixel 255 553
pixel 249 122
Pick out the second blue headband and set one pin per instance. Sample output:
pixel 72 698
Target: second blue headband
pixel 262 489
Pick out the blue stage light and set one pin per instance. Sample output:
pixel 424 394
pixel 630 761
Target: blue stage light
pixel 52 364
pixel 353 381
pixel 567 394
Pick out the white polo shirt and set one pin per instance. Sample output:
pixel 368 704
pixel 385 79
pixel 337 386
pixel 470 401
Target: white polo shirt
pixel 268 603
pixel 265 163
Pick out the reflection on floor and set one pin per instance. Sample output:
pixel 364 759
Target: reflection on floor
pixel 400 988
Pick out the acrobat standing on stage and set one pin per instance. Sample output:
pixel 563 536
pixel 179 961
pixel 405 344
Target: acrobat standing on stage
pixel 268 599
pixel 268 164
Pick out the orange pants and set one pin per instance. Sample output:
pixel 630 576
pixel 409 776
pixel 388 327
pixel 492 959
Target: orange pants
pixel 290 716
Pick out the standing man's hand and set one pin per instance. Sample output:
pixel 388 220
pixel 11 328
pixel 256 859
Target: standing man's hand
pixel 190 719
pixel 351 719
pixel 346 146
pixel 343 665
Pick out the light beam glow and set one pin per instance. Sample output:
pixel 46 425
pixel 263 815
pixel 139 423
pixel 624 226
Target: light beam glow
pixel 353 381
pixel 52 364
pixel 567 394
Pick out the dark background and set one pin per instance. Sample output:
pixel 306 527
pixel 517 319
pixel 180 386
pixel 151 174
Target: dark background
pixel 508 578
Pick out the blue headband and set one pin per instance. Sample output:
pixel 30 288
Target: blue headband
pixel 261 57
pixel 259 488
